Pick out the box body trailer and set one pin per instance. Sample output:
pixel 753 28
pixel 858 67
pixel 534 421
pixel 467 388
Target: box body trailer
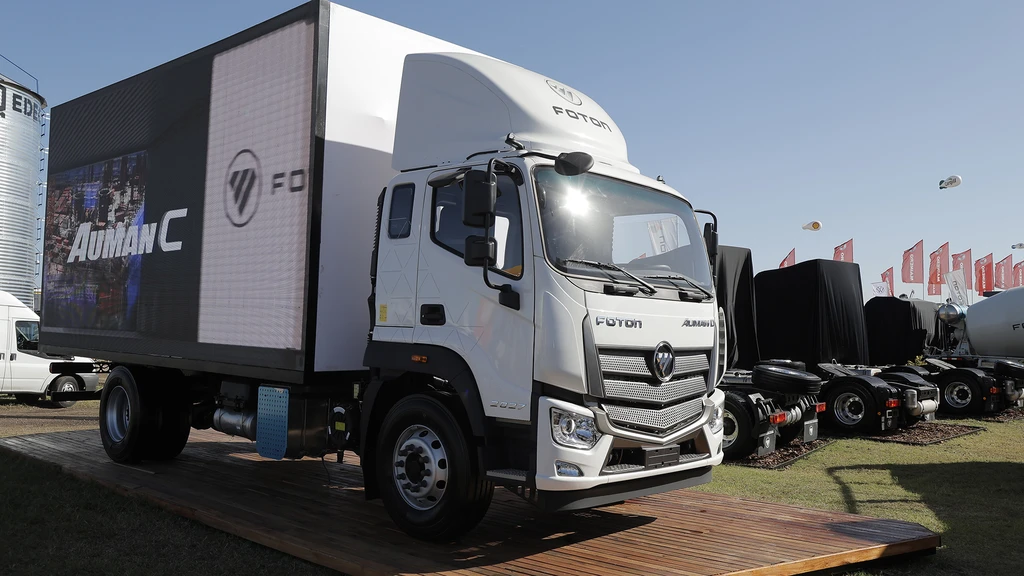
pixel 332 233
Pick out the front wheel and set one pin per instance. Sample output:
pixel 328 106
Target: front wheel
pixel 738 439
pixel 125 418
pixel 429 482
pixel 851 408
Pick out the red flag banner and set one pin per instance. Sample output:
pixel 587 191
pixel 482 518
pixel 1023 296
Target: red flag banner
pixel 844 252
pixel 983 274
pixel 913 260
pixel 934 273
pixel 1018 275
pixel 789 260
pixel 960 262
pixel 887 278
pixel 943 260
pixel 1002 275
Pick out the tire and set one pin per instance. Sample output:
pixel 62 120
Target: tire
pixel 738 439
pixel 126 420
pixel 959 393
pixel 174 422
pixel 435 512
pixel 785 380
pixel 851 408
pixel 64 384
pixel 791 364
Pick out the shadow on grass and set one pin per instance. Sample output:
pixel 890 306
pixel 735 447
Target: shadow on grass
pixel 979 504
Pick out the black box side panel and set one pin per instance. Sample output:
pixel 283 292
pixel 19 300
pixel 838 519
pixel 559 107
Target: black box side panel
pixel 899 329
pixel 130 200
pixel 734 284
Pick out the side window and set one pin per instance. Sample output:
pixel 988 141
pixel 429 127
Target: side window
pixel 28 335
pixel 400 212
pixel 449 232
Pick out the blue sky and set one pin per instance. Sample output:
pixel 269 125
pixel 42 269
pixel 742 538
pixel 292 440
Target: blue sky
pixel 770 114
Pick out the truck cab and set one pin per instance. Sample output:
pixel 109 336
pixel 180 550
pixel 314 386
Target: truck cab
pixel 24 369
pixel 572 294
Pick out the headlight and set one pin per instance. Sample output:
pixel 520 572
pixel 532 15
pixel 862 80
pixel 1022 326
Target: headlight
pixel 573 430
pixel 717 421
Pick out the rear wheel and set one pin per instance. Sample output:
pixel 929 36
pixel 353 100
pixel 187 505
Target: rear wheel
pixel 738 433
pixel 430 485
pixel 850 408
pixel 64 384
pixel 175 422
pixel 959 393
pixel 125 418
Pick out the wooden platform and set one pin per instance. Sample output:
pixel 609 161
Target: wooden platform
pixel 292 507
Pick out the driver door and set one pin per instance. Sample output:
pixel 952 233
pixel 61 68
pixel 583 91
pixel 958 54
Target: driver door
pixel 456 310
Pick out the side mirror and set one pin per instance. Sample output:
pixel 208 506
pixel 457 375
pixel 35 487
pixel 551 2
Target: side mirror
pixel 480 251
pixel 711 241
pixel 573 163
pixel 480 195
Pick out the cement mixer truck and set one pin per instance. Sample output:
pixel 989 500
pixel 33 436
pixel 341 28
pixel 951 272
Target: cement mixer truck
pixel 979 367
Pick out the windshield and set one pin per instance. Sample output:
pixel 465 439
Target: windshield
pixel 651 234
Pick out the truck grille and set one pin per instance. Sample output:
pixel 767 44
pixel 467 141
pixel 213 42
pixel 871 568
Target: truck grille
pixel 643 402
pixel 664 420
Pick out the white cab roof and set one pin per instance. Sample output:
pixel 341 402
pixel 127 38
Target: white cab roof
pixel 453 105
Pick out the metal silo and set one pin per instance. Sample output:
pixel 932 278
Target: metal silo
pixel 21 115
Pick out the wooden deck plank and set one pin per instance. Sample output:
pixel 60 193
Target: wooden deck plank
pixel 316 510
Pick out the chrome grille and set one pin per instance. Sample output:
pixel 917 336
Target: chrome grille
pixel 668 418
pixel 636 365
pixel 644 392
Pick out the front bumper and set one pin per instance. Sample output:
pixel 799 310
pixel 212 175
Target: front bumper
pixel 700 450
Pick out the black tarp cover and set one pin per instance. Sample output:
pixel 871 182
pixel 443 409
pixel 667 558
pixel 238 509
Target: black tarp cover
pixel 734 286
pixel 899 329
pixel 813 312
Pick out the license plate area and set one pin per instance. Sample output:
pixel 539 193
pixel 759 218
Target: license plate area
pixel 660 457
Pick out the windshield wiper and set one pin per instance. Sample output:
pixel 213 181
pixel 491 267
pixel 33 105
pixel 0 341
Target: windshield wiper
pixel 671 277
pixel 647 288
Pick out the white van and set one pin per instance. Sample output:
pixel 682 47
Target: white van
pixel 25 371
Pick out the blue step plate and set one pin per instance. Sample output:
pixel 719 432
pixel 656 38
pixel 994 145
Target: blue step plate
pixel 272 422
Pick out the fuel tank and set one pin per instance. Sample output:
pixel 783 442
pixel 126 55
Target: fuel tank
pixel 995 326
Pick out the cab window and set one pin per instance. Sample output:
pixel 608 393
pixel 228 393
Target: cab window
pixel 27 333
pixel 448 231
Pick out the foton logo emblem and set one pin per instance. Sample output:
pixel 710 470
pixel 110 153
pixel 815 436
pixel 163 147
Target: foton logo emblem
pixel 242 188
pixel 565 93
pixel 618 322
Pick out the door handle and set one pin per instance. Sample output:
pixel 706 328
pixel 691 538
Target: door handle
pixel 432 315
pixel 14 357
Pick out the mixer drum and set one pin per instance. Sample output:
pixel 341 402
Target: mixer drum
pixel 995 326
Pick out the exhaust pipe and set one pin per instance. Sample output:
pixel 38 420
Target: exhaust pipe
pixel 918 407
pixel 1012 392
pixel 235 423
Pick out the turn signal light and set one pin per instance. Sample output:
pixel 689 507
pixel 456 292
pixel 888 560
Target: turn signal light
pixel 819 407
pixel 993 390
pixel 892 403
pixel 420 359
pixel 777 418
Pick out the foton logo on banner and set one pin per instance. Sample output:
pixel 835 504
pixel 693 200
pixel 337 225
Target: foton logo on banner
pixel 244 184
pixel 124 241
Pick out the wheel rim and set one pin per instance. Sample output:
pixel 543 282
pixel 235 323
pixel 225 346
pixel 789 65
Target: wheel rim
pixel 730 429
pixel 958 395
pixel 420 467
pixel 849 408
pixel 68 387
pixel 117 414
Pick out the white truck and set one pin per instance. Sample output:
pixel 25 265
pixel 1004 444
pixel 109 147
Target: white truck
pixel 331 233
pixel 981 365
pixel 25 372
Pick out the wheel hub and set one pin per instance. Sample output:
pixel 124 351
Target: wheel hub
pixel 958 395
pixel 849 408
pixel 420 467
pixel 117 413
pixel 730 430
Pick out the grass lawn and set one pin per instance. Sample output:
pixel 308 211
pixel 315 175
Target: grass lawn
pixel 968 489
